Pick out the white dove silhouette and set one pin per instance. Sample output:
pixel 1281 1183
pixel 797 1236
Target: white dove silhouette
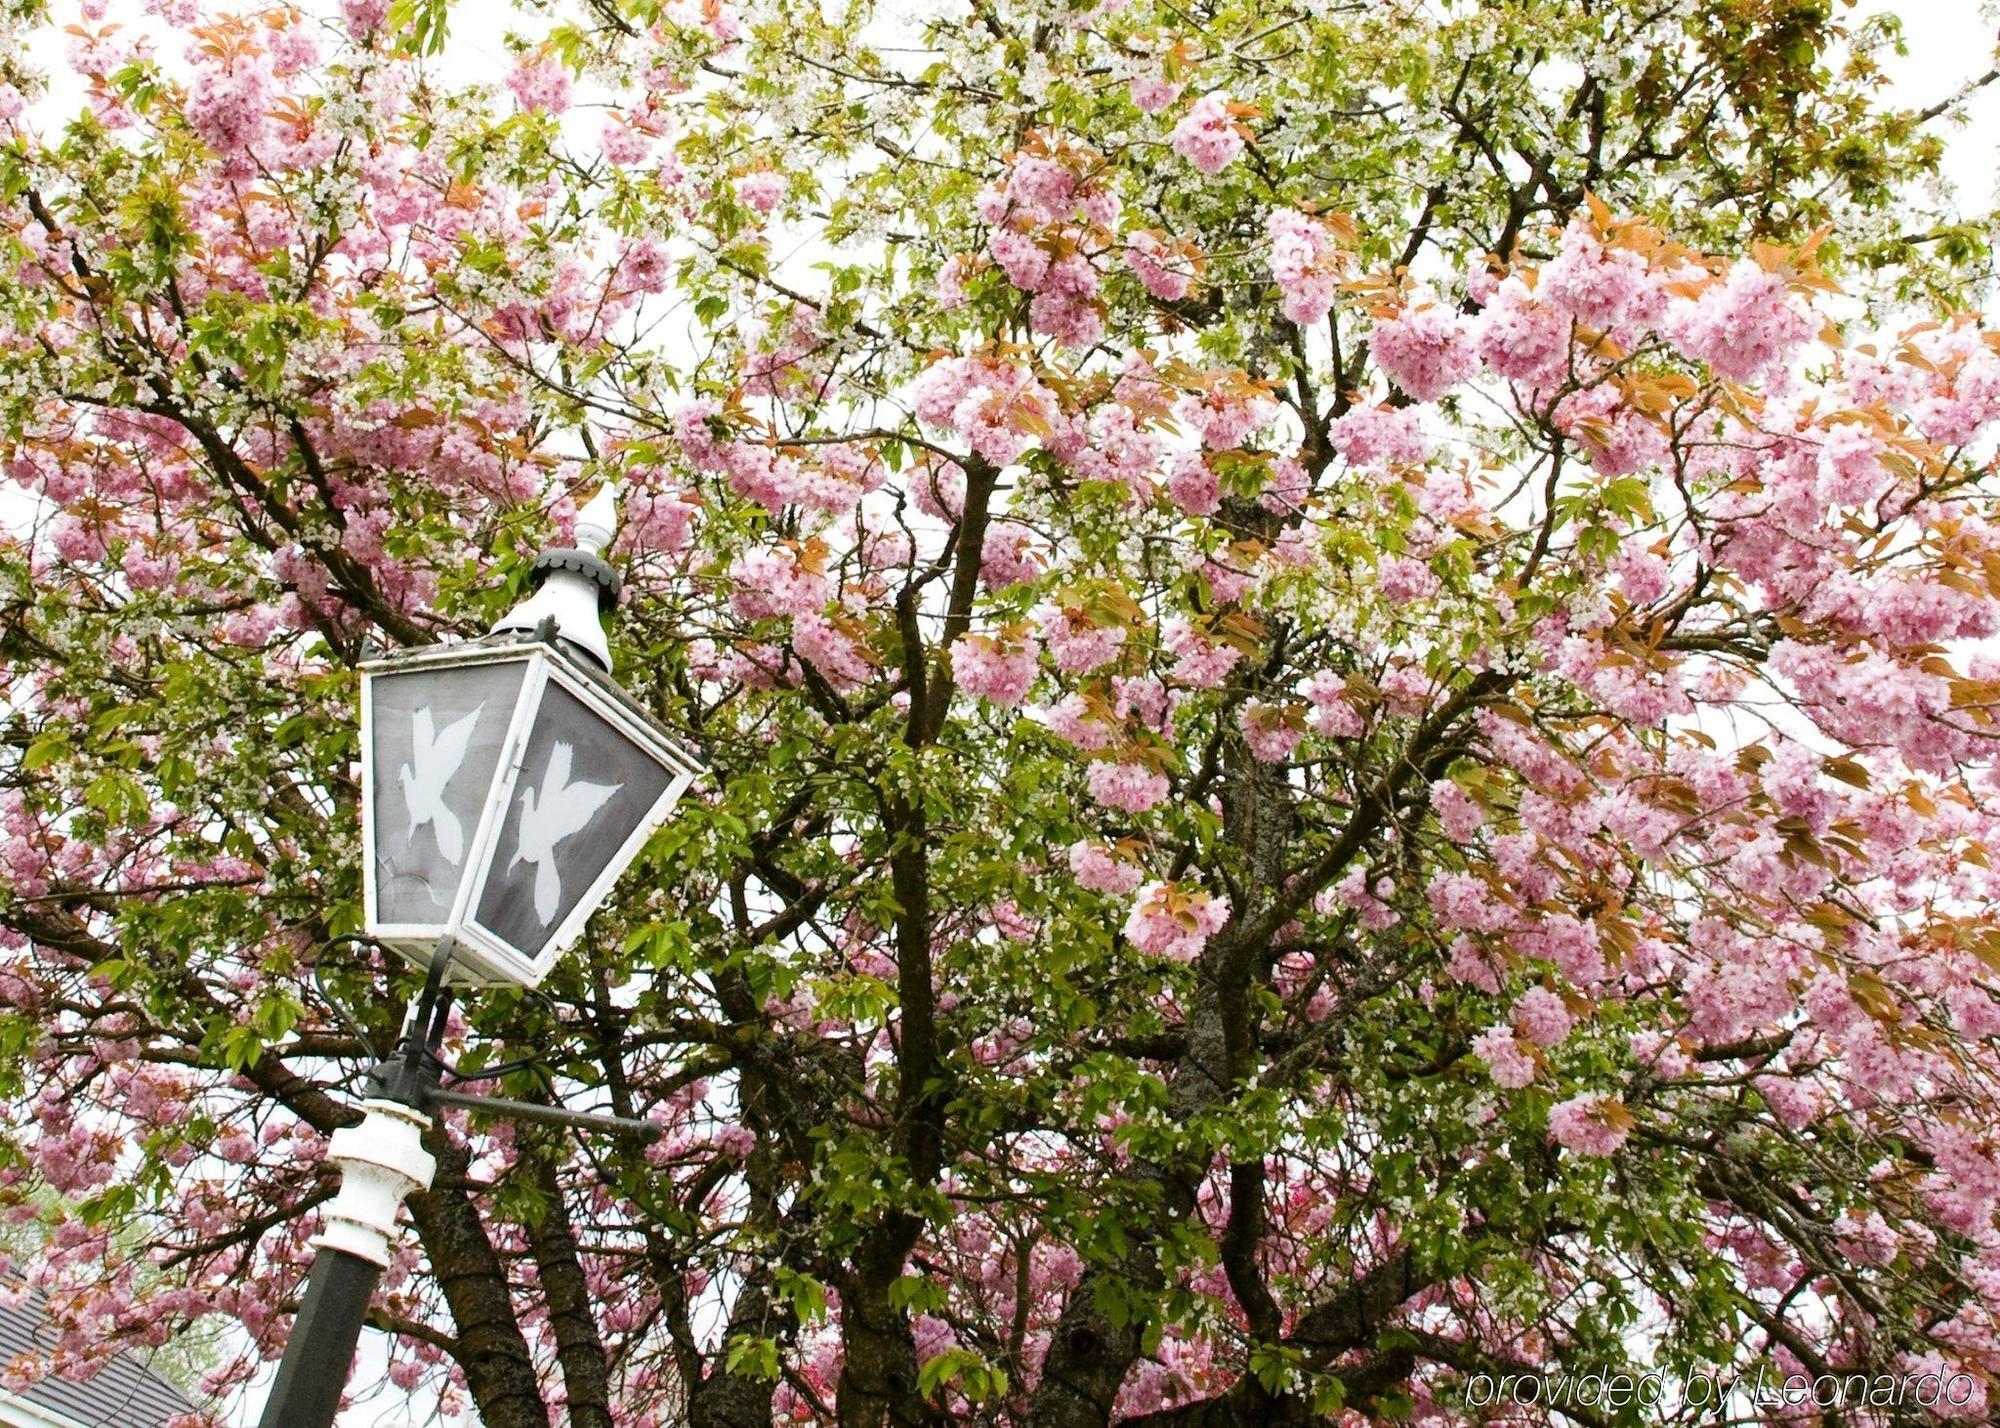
pixel 436 758
pixel 550 815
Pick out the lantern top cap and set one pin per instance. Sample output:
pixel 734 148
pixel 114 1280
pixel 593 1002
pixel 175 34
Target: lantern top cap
pixel 574 585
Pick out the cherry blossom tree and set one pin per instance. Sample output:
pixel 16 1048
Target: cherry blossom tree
pixel 1345 651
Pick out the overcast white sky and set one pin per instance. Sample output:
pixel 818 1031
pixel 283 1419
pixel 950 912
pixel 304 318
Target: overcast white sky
pixel 1951 42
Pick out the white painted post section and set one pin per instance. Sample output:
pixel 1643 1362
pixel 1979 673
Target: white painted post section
pixel 382 1163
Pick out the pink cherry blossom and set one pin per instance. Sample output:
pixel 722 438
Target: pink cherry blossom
pixel 227 102
pixel 363 16
pixel 1380 436
pixel 1288 488
pixel 1614 438
pixel 660 520
pixel 1144 699
pixel 770 581
pixel 1074 720
pixel 1520 338
pixel 1570 943
pixel 1225 417
pixel 644 267
pixel 1403 578
pixel 1021 258
pixel 841 659
pixel 1077 643
pixel 1100 869
pixel 1199 662
pixel 622 143
pixel 1193 485
pixel 1507 1062
pixel 1851 472
pixel 1474 966
pixel 761 190
pixel 1167 274
pixel 1171 922
pixel 1592 283
pixel 1743 326
pixel 1304 261
pixel 1271 730
pixel 1542 1018
pixel 293 48
pixel 994 405
pixel 1462 901
pixel 1130 788
pixel 1643 574
pixel 1458 812
pixel 1152 92
pixel 995 669
pixel 951 281
pixel 1333 713
pixel 1425 348
pixel 540 82
pixel 1009 555
pixel 1588 1124
pixel 1207 136
pixel 1068 310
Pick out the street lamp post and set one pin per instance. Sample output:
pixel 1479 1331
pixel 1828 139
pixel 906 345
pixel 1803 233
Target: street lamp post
pixel 506 784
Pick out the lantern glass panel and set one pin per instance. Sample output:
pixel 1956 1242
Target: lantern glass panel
pixel 438 736
pixel 584 787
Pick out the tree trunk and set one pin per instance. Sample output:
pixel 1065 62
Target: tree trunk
pixel 725 1399
pixel 579 1349
pixel 878 1371
pixel 491 1349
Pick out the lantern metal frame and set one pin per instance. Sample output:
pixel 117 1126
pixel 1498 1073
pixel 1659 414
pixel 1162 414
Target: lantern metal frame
pixel 479 955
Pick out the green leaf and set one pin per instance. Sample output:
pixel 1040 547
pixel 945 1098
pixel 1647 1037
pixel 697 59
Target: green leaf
pixel 754 1357
pixel 419 25
pixel 43 750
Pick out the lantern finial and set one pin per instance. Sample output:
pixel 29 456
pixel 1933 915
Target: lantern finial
pixel 597 522
pixel 575 586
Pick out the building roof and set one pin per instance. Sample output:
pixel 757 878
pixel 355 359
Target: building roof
pixel 124 1393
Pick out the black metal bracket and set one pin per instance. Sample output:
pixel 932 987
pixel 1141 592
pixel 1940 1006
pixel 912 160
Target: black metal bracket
pixel 315 968
pixel 639 1130
pixel 413 1075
